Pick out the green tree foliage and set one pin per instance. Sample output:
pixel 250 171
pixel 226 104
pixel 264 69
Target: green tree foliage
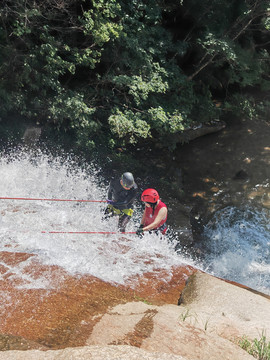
pixel 119 72
pixel 47 45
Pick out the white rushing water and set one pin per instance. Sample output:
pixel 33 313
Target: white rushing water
pixel 25 224
pixel 237 242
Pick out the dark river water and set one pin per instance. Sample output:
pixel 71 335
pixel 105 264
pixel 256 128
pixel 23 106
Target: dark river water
pixel 229 173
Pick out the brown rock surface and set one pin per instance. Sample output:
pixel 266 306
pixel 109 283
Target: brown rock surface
pixel 90 353
pixel 227 310
pixel 162 329
pixel 113 320
pixel 65 315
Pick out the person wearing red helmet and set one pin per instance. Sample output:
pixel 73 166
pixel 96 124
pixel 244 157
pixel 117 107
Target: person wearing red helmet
pixel 155 213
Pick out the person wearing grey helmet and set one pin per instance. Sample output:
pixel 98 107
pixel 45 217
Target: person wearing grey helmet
pixel 121 195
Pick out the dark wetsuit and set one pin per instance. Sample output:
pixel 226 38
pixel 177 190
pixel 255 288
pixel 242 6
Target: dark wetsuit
pixel 122 202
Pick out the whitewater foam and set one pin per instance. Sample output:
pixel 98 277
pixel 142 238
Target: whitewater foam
pixel 113 258
pixel 237 246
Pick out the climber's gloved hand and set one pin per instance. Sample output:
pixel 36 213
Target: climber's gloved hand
pixel 139 232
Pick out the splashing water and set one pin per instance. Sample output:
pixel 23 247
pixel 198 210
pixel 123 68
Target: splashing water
pixel 237 243
pixel 113 258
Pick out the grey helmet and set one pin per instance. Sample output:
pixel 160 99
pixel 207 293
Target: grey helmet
pixel 127 180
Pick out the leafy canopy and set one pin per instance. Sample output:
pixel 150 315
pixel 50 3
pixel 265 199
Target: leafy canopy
pixel 118 72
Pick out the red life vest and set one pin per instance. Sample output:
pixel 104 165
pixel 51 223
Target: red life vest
pixel 151 214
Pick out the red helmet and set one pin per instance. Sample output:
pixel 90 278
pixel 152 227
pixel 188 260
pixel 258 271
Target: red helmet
pixel 150 196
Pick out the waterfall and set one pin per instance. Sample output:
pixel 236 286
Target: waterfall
pixel 236 241
pixel 25 225
pixel 237 246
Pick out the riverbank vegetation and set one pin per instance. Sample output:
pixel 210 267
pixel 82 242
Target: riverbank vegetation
pixel 258 348
pixel 116 73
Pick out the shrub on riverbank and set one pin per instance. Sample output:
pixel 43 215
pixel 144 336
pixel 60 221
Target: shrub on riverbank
pixel 259 348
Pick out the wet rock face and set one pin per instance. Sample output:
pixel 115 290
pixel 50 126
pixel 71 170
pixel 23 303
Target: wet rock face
pixel 65 314
pixel 198 131
pixel 10 342
pixel 189 293
pixel 241 175
pixel 180 330
pixel 81 311
pixel 199 216
pixel 31 135
pixel 197 222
